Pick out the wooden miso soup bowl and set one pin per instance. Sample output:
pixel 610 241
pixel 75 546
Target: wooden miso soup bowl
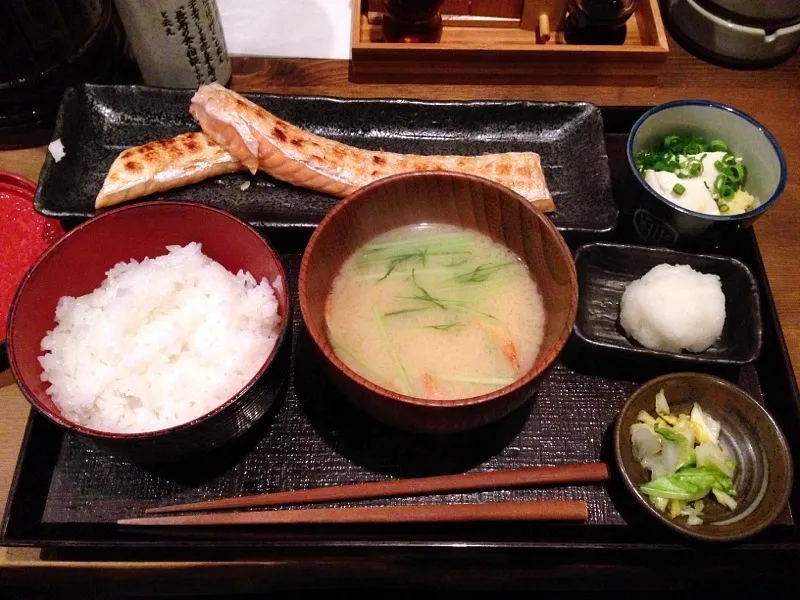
pixel 445 198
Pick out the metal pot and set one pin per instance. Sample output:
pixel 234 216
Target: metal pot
pixel 710 34
pixel 778 12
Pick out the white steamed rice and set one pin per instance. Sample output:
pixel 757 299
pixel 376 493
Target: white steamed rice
pixel 159 343
pixel 674 307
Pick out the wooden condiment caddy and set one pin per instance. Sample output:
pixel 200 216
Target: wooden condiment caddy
pixel 507 41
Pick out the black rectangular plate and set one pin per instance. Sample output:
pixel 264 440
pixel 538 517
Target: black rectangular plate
pixel 605 269
pixel 66 496
pixel 96 123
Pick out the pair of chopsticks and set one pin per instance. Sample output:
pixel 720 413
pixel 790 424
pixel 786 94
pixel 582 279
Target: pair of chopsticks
pixel 566 510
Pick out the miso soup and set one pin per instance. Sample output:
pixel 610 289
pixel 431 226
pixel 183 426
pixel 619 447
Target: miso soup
pixel 436 311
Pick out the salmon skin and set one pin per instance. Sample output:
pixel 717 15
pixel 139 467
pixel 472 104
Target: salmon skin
pixel 239 135
pixel 261 141
pixel 162 165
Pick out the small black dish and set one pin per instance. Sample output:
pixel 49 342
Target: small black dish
pixel 606 269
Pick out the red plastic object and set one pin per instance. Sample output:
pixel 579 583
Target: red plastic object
pixel 24 235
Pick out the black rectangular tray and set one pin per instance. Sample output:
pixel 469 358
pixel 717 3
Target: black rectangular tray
pixel 66 496
pixel 95 123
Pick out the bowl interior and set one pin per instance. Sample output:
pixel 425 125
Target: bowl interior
pixel 763 477
pixel 77 264
pixel 460 200
pixel 744 137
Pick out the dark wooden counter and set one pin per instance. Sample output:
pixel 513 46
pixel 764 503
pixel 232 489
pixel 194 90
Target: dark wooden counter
pixel 772 96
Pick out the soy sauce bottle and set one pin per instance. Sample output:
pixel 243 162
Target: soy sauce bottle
pixel 411 21
pixel 598 21
pixel 177 43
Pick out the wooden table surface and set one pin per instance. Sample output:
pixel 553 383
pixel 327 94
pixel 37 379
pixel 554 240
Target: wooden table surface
pixel 772 96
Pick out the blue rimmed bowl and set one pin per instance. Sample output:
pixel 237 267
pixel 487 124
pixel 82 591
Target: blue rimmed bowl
pixel 655 219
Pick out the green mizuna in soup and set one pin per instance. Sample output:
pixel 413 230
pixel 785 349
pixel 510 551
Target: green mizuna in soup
pixel 436 311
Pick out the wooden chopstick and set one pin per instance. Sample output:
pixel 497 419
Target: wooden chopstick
pixel 557 510
pixel 513 478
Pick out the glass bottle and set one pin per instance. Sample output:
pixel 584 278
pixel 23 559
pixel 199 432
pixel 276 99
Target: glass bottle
pixel 177 43
pixel 412 20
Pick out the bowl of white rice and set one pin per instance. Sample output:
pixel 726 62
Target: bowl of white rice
pixel 156 331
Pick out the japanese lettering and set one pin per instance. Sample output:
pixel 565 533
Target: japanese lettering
pixel 167 23
pixel 211 15
pixel 188 42
pixel 203 42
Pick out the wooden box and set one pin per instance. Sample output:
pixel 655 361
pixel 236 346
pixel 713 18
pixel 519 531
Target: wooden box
pixel 498 41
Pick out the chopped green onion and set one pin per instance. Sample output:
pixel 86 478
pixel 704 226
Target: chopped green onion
pixel 736 173
pixel 723 208
pixel 694 167
pixel 693 148
pixel 728 192
pixel 719 183
pixel 718 146
pixel 684 157
pixel 671 141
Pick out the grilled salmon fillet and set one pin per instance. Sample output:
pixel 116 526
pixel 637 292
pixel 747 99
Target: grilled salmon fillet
pixel 162 165
pixel 239 135
pixel 260 140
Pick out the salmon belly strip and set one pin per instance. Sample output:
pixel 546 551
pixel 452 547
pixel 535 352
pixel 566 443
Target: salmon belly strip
pixel 162 165
pixel 239 135
pixel 260 140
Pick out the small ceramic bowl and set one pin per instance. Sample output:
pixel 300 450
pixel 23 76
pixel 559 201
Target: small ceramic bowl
pixel 763 477
pixel 656 219
pixel 77 264
pixel 604 271
pixel 455 199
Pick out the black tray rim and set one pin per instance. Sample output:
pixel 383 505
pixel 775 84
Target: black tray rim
pixel 680 545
